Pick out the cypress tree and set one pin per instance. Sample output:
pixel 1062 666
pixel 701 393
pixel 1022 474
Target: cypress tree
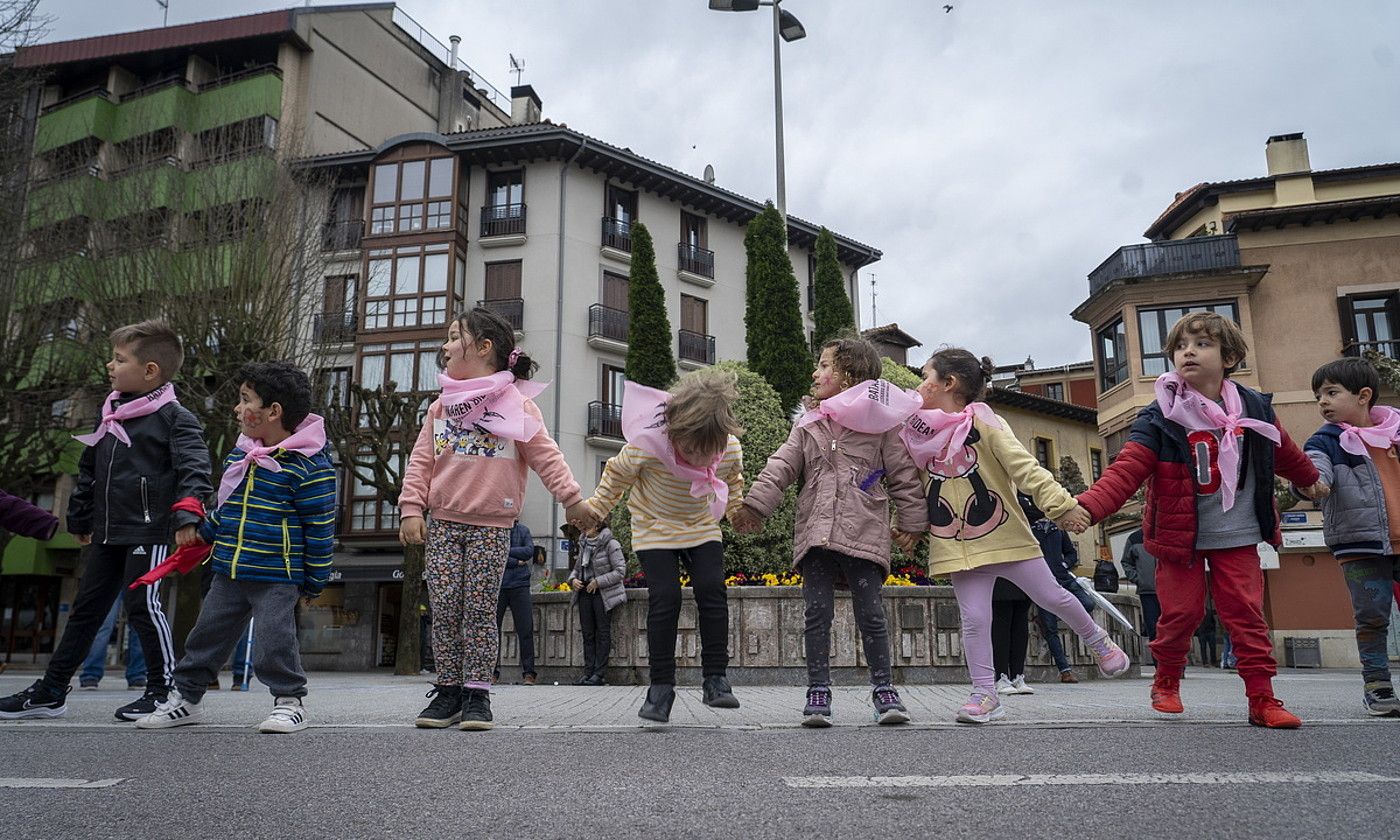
pixel 777 347
pixel 831 308
pixel 649 359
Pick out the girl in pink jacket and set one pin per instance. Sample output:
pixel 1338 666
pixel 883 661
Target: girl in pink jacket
pixel 848 454
pixel 468 468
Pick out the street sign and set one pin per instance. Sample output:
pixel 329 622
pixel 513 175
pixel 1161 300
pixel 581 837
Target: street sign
pixel 1295 518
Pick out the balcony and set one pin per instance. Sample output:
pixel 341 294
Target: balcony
pixel 605 425
pixel 504 223
pixel 696 265
pixel 617 238
pixel 1150 259
pixel 696 350
pixel 511 309
pixel 334 327
pixel 342 236
pixel 607 328
pixel 1361 349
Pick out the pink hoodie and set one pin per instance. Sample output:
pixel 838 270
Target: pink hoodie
pixel 465 475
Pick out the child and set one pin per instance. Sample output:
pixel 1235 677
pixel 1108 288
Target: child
pixel 143 475
pixel 597 584
pixel 848 457
pixel 684 467
pixel 1355 453
pixel 272 533
pixel 1208 449
pixel 468 468
pixel 975 465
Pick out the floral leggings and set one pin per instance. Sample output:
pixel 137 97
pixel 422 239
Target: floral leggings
pixel 463 567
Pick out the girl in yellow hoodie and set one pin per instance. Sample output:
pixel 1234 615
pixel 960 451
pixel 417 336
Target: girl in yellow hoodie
pixel 974 466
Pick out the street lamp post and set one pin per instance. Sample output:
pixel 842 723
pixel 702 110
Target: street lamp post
pixel 786 27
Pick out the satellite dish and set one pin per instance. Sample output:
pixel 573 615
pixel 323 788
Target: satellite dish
pixel 709 174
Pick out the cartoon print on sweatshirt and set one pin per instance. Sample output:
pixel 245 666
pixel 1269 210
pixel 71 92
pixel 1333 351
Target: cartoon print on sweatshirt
pixel 470 439
pixel 984 512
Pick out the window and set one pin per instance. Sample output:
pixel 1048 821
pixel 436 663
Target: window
pixel 505 189
pixel 406 287
pixel 1155 324
pixel 156 147
pixel 613 379
pixel 619 211
pixel 1055 391
pixel 412 196
pixel 369 511
pixel 615 291
pixel 236 140
pixel 694 230
pixel 503 280
pixel 1112 343
pixel 1045 453
pixel 1095 464
pixel 410 365
pixel 696 344
pixel 1371 322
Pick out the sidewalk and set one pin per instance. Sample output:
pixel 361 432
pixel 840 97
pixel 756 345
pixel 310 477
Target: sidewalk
pixel 339 699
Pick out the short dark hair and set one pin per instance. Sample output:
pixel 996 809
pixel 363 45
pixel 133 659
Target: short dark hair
pixel 973 375
pixel 1352 374
pixel 283 383
pixel 152 341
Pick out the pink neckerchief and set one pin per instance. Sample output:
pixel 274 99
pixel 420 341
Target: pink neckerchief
pixel 308 439
pixel 1383 433
pixel 495 403
pixel 112 418
pixel 873 407
pixel 644 426
pixel 933 436
pixel 1183 404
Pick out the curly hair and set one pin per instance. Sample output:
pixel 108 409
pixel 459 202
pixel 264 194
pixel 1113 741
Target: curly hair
pixel 855 358
pixel 700 415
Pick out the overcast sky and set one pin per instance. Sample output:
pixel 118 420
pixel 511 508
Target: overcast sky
pixel 995 153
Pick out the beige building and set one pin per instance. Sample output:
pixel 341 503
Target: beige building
pixel 1308 263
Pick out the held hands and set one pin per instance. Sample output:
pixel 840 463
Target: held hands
pixel 581 516
pixel 1317 491
pixel 413 530
pixel 1077 521
pixel 907 541
pixel 745 521
pixel 188 535
pixel 83 539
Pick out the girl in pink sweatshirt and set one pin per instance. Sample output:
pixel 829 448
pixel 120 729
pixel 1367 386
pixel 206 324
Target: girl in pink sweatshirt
pixel 468 468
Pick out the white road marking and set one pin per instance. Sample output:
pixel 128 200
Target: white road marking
pixel 59 783
pixel 1033 780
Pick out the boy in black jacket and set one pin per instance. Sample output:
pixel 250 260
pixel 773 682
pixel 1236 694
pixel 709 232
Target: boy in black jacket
pixel 144 475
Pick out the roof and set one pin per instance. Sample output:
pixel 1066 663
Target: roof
pixel 1072 366
pixel 1207 194
pixel 892 334
pixel 547 140
pixel 1042 405
pixel 1306 214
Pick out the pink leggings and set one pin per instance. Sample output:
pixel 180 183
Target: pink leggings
pixel 973 589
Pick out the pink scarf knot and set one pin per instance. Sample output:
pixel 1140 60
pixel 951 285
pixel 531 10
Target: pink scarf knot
pixel 933 436
pixel 308 439
pixel 1184 405
pixel 112 418
pixel 644 426
pixel 495 404
pixel 873 407
pixel 1383 433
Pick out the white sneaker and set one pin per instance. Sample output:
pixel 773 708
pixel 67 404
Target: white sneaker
pixel 288 715
pixel 1004 686
pixel 1019 686
pixel 175 711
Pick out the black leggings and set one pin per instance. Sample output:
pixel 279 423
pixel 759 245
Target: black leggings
pixel 705 563
pixel 1011 634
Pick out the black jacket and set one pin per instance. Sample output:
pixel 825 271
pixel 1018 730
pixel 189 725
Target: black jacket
pixel 124 493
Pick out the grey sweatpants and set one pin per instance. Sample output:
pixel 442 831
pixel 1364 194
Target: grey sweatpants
pixel 223 618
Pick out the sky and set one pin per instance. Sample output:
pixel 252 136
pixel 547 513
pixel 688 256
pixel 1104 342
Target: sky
pixel 996 153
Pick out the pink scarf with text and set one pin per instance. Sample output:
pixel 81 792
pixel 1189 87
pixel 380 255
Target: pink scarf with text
pixel 1383 433
pixel 112 418
pixel 496 403
pixel 308 439
pixel 1183 404
pixel 644 426
pixel 933 436
pixel 873 407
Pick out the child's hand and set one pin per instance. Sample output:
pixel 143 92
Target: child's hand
pixel 413 530
pixel 1077 521
pixel 745 521
pixel 581 516
pixel 1317 492
pixel 83 539
pixel 188 535
pixel 908 541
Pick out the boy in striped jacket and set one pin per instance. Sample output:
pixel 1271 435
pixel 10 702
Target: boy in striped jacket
pixel 271 534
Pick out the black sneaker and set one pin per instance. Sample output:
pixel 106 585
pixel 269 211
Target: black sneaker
pixel 137 709
pixel 476 710
pixel 445 710
pixel 888 709
pixel 718 694
pixel 817 712
pixel 37 701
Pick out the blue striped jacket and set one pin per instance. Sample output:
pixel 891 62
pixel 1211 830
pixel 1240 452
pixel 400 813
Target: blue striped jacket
pixel 277 527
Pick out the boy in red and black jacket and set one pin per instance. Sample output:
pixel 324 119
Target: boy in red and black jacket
pixel 1208 450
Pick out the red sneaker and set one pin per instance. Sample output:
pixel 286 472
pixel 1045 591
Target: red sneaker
pixel 1268 711
pixel 1166 695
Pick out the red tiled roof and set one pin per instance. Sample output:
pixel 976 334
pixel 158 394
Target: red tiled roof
pixel 147 40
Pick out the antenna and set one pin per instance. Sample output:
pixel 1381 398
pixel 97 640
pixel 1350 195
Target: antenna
pixel 165 4
pixel 517 66
pixel 874 313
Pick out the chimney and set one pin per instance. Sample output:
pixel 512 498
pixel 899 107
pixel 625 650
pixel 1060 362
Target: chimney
pixel 1287 154
pixel 525 105
pixel 454 40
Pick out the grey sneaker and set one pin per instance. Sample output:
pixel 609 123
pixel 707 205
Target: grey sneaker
pixel 817 713
pixel 1380 700
pixel 888 709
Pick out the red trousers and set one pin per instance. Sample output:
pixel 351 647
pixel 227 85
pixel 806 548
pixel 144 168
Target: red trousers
pixel 1237 587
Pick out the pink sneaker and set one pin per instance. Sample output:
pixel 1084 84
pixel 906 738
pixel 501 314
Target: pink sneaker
pixel 981 708
pixel 1112 660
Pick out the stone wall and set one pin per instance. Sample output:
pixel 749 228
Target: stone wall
pixel 765 639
